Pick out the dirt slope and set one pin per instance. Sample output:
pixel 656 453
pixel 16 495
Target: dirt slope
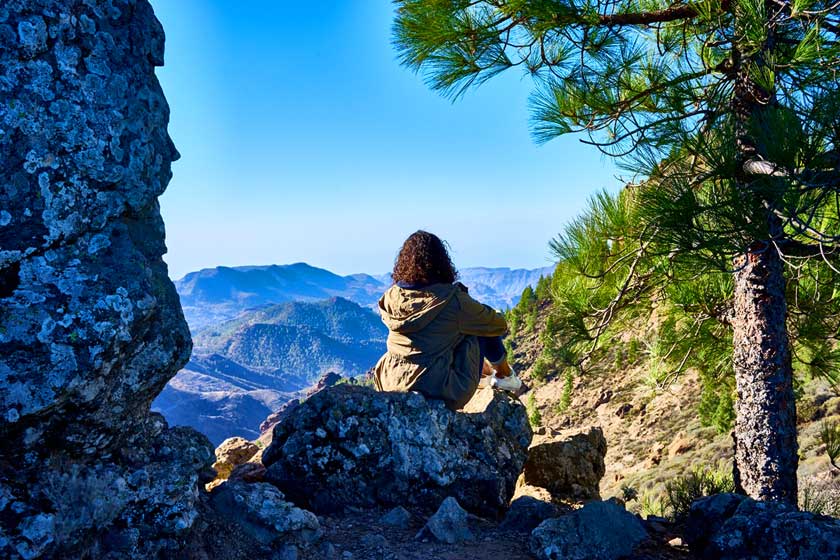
pixel 654 433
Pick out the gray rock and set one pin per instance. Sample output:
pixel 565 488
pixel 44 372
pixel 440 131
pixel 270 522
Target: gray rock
pixel 530 507
pixel 598 531
pixel 730 527
pixel 351 446
pixel 569 465
pixel 449 524
pixel 263 512
pixel 398 517
pixel 91 324
pixel 374 541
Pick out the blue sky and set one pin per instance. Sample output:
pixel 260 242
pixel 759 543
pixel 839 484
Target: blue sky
pixel 303 139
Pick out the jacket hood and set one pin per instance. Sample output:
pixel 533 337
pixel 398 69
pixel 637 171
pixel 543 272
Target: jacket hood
pixel 405 311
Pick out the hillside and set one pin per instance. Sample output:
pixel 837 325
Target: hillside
pixel 214 295
pixel 244 369
pixel 653 431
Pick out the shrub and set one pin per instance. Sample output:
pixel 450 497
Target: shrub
pixel 681 492
pixel 820 497
pixel 651 506
pixel 534 414
pixel 543 291
pixel 509 348
pixel 830 437
pixel 628 493
pixel 566 396
pixel 539 372
pixel 634 349
pixel 530 322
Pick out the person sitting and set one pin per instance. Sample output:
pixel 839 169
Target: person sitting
pixel 441 343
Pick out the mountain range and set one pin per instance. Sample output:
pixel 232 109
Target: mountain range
pixel 263 334
pixel 212 295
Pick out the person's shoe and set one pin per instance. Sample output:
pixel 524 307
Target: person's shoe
pixel 511 383
pixel 486 381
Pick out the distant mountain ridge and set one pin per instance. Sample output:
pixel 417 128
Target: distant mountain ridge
pixel 212 295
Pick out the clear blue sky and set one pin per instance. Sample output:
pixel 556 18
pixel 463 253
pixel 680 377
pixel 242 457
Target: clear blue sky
pixel 302 139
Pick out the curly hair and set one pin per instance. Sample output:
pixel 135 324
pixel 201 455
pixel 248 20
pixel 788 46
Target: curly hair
pixel 424 260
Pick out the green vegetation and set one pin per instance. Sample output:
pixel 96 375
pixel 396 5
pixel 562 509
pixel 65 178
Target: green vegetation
pixel 830 437
pixel 534 415
pixel 628 493
pixel 566 397
pixel 524 314
pixel 680 493
pixel 651 506
pixel 820 498
pixel 724 114
pixel 540 370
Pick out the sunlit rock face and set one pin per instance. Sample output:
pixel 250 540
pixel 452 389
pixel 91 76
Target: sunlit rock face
pixel 90 325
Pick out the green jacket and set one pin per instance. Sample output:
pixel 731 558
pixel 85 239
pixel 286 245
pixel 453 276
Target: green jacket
pixel 432 341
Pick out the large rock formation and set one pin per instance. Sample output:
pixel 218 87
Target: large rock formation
pixel 90 325
pixel 734 527
pixel 351 446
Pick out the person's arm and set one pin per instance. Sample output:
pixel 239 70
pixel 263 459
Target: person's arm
pixel 478 319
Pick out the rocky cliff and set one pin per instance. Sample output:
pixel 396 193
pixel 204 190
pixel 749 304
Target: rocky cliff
pixel 91 329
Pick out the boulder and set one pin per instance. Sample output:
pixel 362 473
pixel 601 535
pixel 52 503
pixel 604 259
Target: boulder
pixel 231 453
pixel 92 328
pixel 264 514
pixel 449 524
pixel 681 444
pixel 730 527
pixel 531 505
pixel 597 531
pixel 398 517
pixel 352 446
pixel 569 465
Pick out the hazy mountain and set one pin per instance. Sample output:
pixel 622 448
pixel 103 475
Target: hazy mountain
pixel 213 295
pixel 245 368
pixel 501 287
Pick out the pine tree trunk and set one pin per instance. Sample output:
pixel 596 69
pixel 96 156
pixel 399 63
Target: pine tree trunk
pixel 765 427
pixel 766 453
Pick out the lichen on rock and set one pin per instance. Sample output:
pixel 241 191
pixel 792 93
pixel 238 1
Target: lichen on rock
pixel 731 527
pixel 351 446
pixel 90 325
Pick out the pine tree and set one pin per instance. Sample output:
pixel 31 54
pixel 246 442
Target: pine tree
pixel 725 112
